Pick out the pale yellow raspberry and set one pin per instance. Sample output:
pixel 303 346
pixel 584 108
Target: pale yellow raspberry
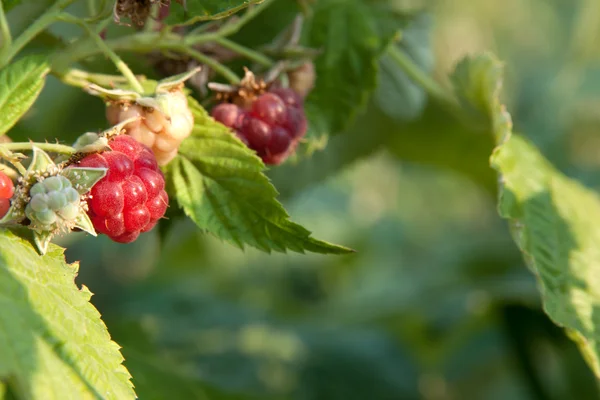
pixel 165 122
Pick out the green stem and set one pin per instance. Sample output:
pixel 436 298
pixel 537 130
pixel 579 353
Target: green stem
pixel 91 5
pixel 246 52
pixel 4 31
pixel 233 27
pixel 121 66
pixel 212 63
pixel 40 24
pixel 32 31
pixel 421 78
pixel 51 147
pixel 79 78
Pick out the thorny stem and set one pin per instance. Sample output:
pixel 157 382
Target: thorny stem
pixel 145 42
pixel 233 27
pixel 51 147
pixel 246 52
pixel 5 32
pixel 211 62
pixel 82 79
pixel 418 76
pixel 121 66
pixel 49 17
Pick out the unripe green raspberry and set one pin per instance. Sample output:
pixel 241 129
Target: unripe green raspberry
pixel 53 200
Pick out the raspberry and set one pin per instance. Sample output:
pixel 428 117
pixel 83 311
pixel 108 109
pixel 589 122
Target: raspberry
pixel 162 127
pixel 272 126
pixel 131 198
pixel 7 190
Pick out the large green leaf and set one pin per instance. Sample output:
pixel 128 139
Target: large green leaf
pixel 20 84
pixel 351 37
pixel 554 219
pixel 203 10
pixel 53 344
pixel 555 223
pixel 220 184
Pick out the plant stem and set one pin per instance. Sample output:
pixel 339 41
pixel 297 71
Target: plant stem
pixel 417 75
pixel 51 147
pixel 91 5
pixel 233 27
pixel 121 66
pixel 212 63
pixel 39 25
pixel 79 78
pixel 5 32
pixel 246 52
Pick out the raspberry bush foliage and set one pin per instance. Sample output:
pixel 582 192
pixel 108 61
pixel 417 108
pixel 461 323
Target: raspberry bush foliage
pixel 163 123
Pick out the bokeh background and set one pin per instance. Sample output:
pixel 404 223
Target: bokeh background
pixel 436 304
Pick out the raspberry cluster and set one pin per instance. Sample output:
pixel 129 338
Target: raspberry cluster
pixel 272 126
pixel 131 198
pixel 161 129
pixel 6 192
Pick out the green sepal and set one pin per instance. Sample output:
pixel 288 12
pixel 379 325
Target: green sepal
pixel 84 223
pixel 112 94
pixel 13 215
pixel 148 102
pixel 90 142
pixel 41 160
pixel 165 85
pixel 83 178
pixel 42 240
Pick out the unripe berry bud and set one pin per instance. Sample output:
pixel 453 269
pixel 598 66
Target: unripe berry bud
pixel 53 202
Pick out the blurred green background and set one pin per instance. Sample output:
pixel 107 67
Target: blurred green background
pixel 436 303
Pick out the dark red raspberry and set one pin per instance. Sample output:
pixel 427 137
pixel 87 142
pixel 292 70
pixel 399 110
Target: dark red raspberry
pixel 131 198
pixel 7 189
pixel 272 126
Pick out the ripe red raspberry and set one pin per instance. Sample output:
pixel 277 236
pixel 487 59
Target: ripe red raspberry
pixel 6 192
pixel 272 126
pixel 130 199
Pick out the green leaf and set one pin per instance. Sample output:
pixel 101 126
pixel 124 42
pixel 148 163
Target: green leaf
pixel 20 84
pixel 53 344
pixel 351 38
pixel 553 218
pixel 220 184
pixel 554 221
pixel 477 82
pixel 204 10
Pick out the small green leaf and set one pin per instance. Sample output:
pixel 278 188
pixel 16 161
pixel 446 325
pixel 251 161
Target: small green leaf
pixel 54 344
pixel 20 84
pixel 204 10
pixel 220 184
pixel 351 39
pixel 83 179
